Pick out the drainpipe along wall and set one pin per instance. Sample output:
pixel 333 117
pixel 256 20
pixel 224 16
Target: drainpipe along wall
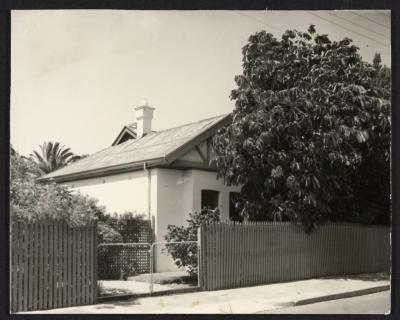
pixel 151 219
pixel 148 190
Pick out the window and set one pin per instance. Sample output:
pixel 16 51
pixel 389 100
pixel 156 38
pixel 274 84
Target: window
pixel 234 212
pixel 209 199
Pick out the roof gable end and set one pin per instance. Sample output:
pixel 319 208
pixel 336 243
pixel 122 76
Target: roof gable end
pixel 126 133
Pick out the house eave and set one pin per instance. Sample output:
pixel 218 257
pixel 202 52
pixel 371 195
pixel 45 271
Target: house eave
pixel 188 165
pixel 102 172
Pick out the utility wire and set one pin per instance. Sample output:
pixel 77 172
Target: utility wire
pixel 359 25
pixel 372 20
pixel 258 21
pixel 353 31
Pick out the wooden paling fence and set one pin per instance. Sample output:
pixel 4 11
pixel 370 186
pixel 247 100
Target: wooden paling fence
pixel 238 255
pixel 52 265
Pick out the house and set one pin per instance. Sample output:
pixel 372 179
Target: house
pixel 164 174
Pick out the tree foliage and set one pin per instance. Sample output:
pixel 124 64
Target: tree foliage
pixel 310 136
pixel 185 255
pixel 52 156
pixel 32 201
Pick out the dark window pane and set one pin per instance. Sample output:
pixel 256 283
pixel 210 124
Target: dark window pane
pixel 209 199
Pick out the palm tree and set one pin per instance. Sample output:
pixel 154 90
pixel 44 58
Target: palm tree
pixel 53 156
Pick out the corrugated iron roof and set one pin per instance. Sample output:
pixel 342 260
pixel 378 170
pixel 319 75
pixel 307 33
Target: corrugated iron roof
pixel 153 146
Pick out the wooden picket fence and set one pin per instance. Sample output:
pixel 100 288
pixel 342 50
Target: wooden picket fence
pixel 53 265
pixel 239 255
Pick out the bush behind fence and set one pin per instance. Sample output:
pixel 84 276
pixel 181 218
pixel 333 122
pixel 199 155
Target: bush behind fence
pixel 237 255
pixel 121 261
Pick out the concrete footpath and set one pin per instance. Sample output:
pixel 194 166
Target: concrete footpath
pixel 242 300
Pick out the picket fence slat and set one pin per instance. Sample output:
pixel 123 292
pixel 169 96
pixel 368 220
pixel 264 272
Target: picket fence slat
pixel 95 272
pixel 70 263
pixel 20 267
pixel 40 266
pixel 52 265
pixel 59 279
pixel 237 255
pixel 14 268
pixel 90 259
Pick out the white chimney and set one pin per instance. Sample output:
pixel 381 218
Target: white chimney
pixel 144 115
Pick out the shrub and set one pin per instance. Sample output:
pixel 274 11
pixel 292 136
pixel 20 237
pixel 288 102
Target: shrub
pixel 133 227
pixel 107 234
pixel 32 201
pixel 185 255
pixel 120 262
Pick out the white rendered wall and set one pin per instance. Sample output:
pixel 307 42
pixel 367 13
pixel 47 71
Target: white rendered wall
pixel 171 189
pixel 179 193
pixel 173 195
pixel 118 193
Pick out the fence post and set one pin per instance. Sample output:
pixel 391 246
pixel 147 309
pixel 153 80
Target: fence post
pixel 151 267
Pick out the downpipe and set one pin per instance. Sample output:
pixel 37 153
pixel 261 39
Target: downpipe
pixel 148 190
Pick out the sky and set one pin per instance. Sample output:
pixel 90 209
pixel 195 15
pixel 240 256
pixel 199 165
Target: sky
pixel 76 75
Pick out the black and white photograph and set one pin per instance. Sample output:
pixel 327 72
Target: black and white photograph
pixel 200 162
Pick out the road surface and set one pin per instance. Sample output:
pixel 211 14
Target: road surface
pixel 376 303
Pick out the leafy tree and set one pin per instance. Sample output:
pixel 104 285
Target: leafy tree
pixel 310 136
pixel 53 156
pixel 185 255
pixel 31 201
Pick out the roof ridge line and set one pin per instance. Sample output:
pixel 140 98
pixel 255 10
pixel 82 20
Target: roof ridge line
pixel 172 128
pixel 190 123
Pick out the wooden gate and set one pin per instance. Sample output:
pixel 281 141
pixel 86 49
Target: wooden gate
pixel 52 265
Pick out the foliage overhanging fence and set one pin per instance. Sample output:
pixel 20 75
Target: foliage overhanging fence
pixel 52 265
pixel 238 255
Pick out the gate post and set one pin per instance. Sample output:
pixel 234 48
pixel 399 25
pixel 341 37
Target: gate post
pixel 151 266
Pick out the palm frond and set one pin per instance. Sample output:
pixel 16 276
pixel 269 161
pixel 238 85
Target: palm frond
pixel 52 156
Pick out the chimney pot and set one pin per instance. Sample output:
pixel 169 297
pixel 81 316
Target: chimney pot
pixel 144 115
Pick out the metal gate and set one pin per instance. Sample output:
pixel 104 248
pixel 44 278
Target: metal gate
pixel 122 270
pixel 174 266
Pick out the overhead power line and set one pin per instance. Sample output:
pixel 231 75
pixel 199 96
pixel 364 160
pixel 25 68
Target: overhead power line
pixel 348 29
pixel 359 25
pixel 371 20
pixel 258 21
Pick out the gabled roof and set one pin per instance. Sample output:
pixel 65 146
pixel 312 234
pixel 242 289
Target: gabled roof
pixel 127 132
pixel 154 149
